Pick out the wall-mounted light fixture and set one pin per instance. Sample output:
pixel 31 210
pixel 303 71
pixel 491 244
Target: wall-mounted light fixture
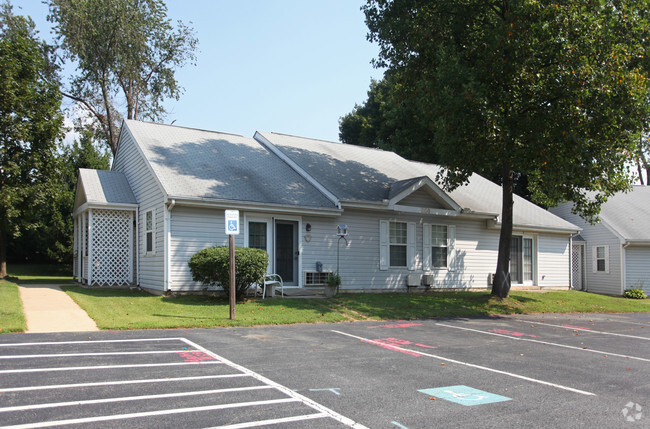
pixel 342 230
pixel 308 227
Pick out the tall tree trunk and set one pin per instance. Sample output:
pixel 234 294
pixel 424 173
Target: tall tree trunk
pixel 501 283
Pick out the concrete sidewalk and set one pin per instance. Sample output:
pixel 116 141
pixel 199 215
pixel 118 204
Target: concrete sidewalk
pixel 48 309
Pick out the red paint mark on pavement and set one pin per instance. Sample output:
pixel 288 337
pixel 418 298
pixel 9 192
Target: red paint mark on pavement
pixel 195 356
pixel 513 333
pixel 396 344
pixel 574 327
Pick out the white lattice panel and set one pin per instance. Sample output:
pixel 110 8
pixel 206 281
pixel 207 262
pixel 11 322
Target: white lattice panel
pixel 576 266
pixel 112 256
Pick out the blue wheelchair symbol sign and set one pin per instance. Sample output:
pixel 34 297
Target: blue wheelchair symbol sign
pixel 232 225
pixel 465 395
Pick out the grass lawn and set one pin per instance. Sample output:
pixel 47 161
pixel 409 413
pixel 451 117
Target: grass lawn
pixel 125 309
pixel 11 309
pixel 40 274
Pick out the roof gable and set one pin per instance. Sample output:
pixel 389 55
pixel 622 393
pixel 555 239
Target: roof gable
pixel 627 214
pixel 102 187
pixel 420 192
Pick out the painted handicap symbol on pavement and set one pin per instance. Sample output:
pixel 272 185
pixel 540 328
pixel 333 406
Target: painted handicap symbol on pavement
pixel 465 395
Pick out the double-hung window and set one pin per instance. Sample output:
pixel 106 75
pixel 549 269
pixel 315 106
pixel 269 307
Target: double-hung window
pixel 600 259
pixel 398 240
pixel 439 249
pixel 257 235
pixel 149 231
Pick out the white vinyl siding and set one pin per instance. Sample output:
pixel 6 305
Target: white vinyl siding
pixel 597 235
pixel 148 193
pixel 637 268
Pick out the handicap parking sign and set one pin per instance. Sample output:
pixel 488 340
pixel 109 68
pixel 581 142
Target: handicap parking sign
pixel 232 222
pixel 465 395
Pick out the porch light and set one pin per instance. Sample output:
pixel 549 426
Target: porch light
pixel 342 230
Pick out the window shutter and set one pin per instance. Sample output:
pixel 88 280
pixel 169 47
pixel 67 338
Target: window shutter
pixel 383 245
pixel 426 244
pixel 606 259
pixel 594 263
pixel 451 247
pixel 410 247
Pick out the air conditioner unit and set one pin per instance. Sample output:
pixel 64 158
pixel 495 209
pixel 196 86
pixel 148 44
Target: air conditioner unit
pixel 413 280
pixel 429 279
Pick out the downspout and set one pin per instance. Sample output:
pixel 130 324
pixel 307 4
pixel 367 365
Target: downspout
pixel 167 228
pixel 623 270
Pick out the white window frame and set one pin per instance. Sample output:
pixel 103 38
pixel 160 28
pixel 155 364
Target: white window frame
pixel 595 259
pixel 152 231
pixel 533 259
pixel 384 245
pixel 427 245
pixel 392 244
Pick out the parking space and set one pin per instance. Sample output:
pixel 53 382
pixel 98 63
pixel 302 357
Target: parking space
pixel 516 371
pixel 156 382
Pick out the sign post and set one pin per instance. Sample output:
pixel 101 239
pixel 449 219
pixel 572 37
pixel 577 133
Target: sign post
pixel 232 229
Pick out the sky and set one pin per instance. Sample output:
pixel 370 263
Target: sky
pixel 287 66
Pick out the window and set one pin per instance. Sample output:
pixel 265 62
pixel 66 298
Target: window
pixel 257 235
pixel 528 259
pixel 149 228
pixel 398 243
pixel 601 259
pixel 439 246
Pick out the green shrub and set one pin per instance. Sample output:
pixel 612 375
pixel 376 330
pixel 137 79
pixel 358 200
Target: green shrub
pixel 212 267
pixel 635 294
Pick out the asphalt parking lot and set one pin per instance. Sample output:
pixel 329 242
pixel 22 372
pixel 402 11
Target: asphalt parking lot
pixel 524 371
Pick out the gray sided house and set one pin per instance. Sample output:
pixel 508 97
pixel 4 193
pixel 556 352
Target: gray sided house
pixel 166 195
pixel 613 255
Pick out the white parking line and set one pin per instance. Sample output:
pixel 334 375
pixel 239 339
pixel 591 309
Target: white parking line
pixel 89 342
pixel 150 414
pixel 305 400
pixel 79 368
pixel 582 349
pixel 272 421
pixel 118 383
pixel 129 398
pixel 574 328
pixel 148 352
pixel 484 368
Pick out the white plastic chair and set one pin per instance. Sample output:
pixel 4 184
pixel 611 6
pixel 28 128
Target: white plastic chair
pixel 272 280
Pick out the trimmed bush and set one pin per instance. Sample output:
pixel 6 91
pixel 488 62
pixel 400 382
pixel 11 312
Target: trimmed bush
pixel 635 294
pixel 211 267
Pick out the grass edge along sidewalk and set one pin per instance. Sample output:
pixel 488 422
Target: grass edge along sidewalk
pixel 126 309
pixel 12 317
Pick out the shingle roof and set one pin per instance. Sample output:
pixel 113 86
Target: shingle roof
pixel 629 213
pixel 358 173
pixel 201 164
pixel 102 186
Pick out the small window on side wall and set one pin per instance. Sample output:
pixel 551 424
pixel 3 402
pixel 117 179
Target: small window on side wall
pixel 600 258
pixel 149 228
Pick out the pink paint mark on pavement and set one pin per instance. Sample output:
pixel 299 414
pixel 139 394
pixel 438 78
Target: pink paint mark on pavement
pixel 195 356
pixel 513 333
pixel 396 344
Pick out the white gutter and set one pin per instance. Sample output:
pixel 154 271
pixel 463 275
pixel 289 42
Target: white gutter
pixel 253 206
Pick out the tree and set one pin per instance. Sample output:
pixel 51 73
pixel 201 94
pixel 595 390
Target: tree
pixel 552 89
pixel 30 124
pixel 126 52
pixel 51 241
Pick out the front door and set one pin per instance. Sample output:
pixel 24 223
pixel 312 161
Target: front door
pixel 286 251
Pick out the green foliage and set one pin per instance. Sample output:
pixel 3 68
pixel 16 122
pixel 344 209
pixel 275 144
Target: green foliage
pixel 552 90
pixel 50 238
pixel 30 124
pixel 126 52
pixel 333 279
pixel 635 294
pixel 212 266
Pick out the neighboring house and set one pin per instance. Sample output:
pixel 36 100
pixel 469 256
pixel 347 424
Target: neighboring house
pixel 613 255
pixel 165 198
